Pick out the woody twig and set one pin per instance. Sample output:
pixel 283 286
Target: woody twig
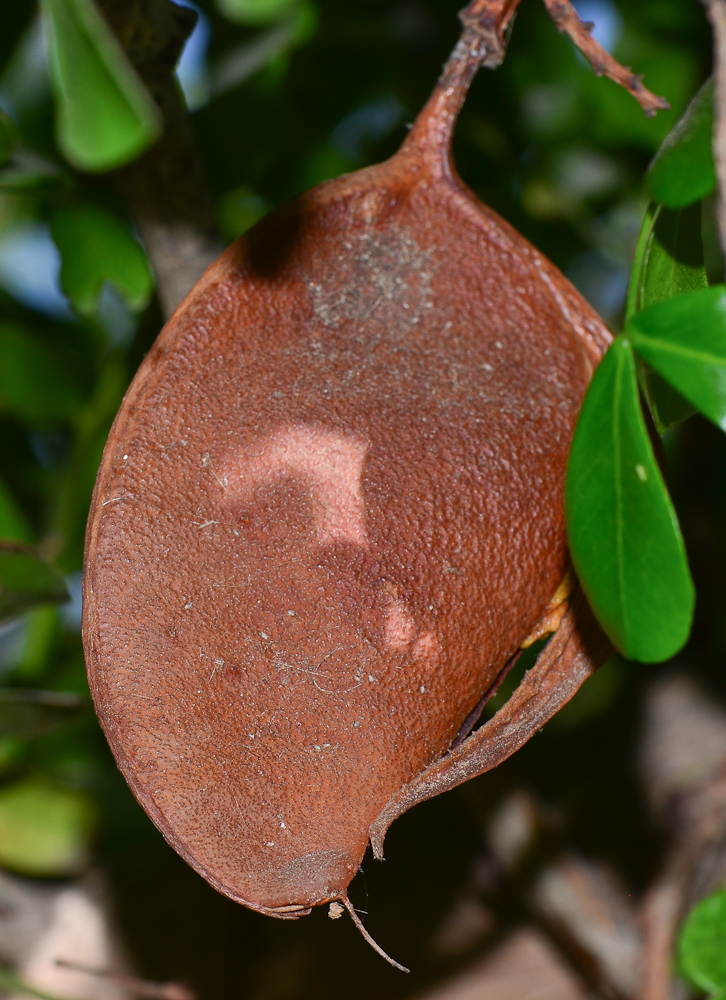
pixel 166 189
pixel 716 11
pixel 491 19
pixel 565 17
pixel 142 988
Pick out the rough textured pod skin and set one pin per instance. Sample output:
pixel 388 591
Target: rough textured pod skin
pixel 328 514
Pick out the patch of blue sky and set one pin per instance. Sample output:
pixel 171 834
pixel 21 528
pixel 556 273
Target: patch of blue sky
pixel 192 70
pixel 606 18
pixel 30 269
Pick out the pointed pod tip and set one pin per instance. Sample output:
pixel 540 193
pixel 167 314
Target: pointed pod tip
pixel 374 945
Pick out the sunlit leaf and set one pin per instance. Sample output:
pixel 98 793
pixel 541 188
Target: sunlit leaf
pixel 668 260
pixel 683 170
pixel 702 945
pixel 36 383
pixel 44 830
pixel 624 536
pixel 684 339
pixel 106 116
pixel 26 580
pixel 96 247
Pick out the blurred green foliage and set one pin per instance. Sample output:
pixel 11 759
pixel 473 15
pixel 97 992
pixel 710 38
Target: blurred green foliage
pixel 286 94
pixel 44 829
pixel 96 247
pixel 254 11
pixel 105 115
pixel 702 946
pixel 26 580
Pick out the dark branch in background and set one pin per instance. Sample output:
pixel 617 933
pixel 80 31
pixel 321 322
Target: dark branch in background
pixel 716 10
pixel 621 949
pixel 166 188
pixel 137 987
pixel 684 766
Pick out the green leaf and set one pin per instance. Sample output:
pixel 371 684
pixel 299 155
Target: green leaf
pixel 37 383
pixel 44 830
pixel 668 260
pixel 702 944
pixel 684 339
pixel 255 11
pixel 624 537
pixel 106 116
pixel 96 247
pixel 669 257
pixel 26 580
pixel 683 170
pixel 8 137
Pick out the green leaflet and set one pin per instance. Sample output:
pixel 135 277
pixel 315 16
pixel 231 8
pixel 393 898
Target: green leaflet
pixel 105 116
pixel 684 339
pixel 683 171
pixel 702 945
pixel 669 257
pixel 668 260
pixel 96 247
pixel 26 580
pixel 624 537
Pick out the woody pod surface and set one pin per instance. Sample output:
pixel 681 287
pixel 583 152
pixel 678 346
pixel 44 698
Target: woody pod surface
pixel 328 516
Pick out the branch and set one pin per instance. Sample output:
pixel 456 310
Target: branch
pixel 684 767
pixel 490 19
pixel 142 988
pixel 565 17
pixel 166 188
pixel 580 905
pixel 716 11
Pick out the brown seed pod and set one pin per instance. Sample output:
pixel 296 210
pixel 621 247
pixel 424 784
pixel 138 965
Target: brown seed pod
pixel 330 513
